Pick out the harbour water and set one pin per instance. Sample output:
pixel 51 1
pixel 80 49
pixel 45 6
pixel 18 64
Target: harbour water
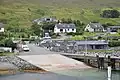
pixel 87 74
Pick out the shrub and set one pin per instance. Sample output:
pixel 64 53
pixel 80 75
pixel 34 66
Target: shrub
pixel 9 43
pixel 110 14
pixel 114 43
pixel 73 34
pixel 25 39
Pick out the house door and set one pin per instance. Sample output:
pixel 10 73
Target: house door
pixel 61 30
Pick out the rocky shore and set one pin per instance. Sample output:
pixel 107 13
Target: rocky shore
pixel 13 64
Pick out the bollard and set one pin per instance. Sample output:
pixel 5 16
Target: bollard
pixel 109 68
pixel 109 72
pixel 98 62
pixel 109 61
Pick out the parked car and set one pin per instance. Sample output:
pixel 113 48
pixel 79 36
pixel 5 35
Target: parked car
pixel 25 48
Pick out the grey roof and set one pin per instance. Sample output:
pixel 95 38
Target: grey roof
pixel 65 26
pixel 45 19
pixel 95 25
pixel 113 26
pixel 1 25
pixel 91 42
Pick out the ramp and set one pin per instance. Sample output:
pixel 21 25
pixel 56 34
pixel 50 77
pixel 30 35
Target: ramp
pixel 53 62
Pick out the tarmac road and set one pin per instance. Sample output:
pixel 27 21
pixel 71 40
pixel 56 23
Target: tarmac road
pixel 36 50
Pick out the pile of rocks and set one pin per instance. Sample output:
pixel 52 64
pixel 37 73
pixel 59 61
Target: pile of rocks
pixel 21 64
pixel 3 59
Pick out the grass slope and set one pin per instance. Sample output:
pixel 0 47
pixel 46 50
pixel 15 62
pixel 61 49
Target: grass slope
pixel 20 13
pixel 72 3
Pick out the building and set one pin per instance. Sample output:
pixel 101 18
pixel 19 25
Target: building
pixel 64 28
pixel 45 19
pixel 113 29
pixel 94 27
pixel 71 46
pixel 2 27
pixel 5 49
pixel 91 45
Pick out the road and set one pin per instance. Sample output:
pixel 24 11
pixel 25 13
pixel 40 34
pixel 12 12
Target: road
pixel 36 50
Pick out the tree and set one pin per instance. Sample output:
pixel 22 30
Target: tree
pixel 9 43
pixel 48 26
pixel 2 39
pixel 79 26
pixel 110 14
pixel 106 25
pixel 36 29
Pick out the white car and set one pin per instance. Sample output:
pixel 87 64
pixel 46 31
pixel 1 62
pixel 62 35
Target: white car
pixel 25 48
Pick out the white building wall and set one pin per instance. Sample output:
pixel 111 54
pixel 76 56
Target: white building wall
pixel 56 30
pixel 6 49
pixel 64 30
pixel 88 28
pixel 2 30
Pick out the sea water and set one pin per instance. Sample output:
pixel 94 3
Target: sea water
pixel 85 74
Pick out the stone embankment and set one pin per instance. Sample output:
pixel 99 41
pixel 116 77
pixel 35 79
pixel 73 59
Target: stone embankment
pixel 19 63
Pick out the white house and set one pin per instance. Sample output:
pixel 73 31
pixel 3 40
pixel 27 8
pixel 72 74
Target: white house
pixel 1 27
pixel 94 27
pixel 64 28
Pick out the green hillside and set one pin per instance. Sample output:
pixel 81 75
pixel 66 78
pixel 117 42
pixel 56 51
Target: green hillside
pixel 20 13
pixel 70 3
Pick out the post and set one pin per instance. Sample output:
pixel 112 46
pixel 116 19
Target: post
pixel 102 63
pixel 109 72
pixel 85 49
pixel 109 68
pixel 98 62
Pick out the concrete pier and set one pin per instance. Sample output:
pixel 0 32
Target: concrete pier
pixel 54 62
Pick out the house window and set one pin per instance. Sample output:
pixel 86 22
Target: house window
pixel 61 30
pixel 68 29
pixel 72 29
pixel 47 19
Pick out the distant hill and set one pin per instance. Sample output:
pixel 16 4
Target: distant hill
pixel 70 3
pixel 22 12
